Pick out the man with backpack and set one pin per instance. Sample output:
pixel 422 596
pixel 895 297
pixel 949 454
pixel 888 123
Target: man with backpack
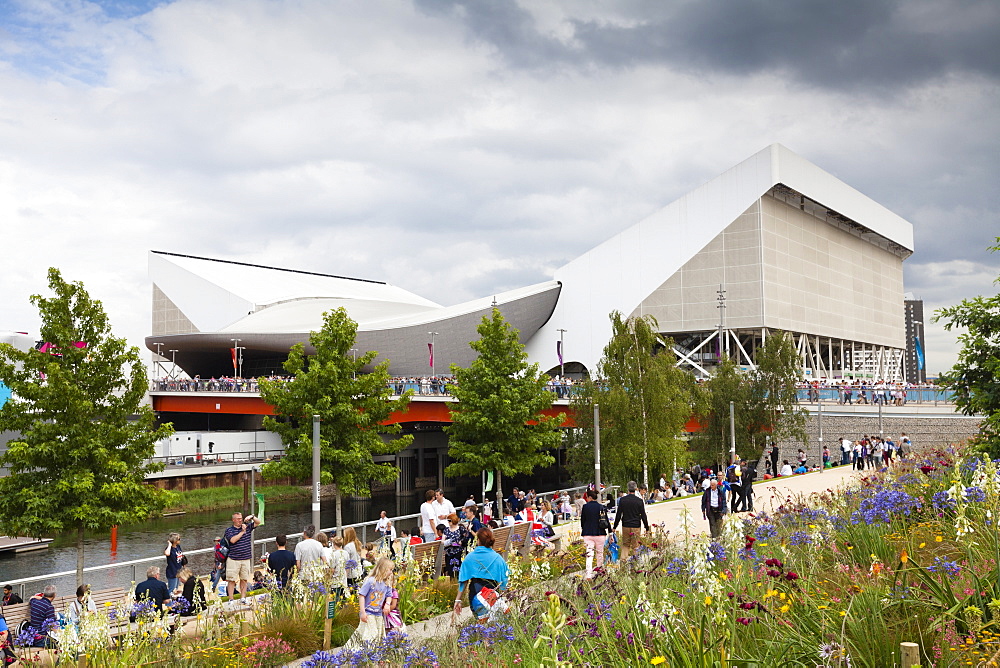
pixel 734 476
pixel 593 529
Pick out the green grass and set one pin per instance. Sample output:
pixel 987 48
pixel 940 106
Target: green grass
pixel 213 498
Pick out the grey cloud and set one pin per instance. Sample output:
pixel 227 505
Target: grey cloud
pixel 872 43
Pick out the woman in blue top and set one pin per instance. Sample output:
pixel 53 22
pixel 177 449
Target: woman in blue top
pixel 483 567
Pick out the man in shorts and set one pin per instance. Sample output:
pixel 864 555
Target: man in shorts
pixel 239 564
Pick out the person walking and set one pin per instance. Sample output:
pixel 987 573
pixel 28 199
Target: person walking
pixel 631 515
pixel 483 567
pixel 749 473
pixel 372 596
pixel 594 534
pixel 308 550
pixel 713 507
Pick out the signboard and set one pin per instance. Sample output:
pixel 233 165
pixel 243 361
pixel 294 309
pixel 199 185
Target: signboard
pixel 331 609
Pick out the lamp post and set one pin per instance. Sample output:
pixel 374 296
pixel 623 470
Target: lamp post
pixel 597 451
pixel 562 354
pixel 433 334
pixel 354 372
pixel 173 361
pixel 157 365
pixel 239 356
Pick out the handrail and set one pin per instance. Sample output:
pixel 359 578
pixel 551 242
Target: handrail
pixel 260 541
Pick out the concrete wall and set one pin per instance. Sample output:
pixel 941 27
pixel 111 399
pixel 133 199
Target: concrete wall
pixel 930 429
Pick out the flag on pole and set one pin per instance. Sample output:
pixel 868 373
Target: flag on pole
pixel 559 352
pixel 920 352
pixel 233 353
pixel 260 507
pixel 430 350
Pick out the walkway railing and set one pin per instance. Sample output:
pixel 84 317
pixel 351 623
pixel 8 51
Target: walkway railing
pixel 440 386
pixel 135 567
pixel 214 459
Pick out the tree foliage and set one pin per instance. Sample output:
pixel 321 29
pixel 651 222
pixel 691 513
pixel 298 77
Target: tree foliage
pixel 764 402
pixel 645 401
pixel 85 435
pixel 498 424
pixel 975 378
pixel 352 407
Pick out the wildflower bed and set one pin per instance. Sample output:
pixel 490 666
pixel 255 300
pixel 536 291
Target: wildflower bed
pixel 832 579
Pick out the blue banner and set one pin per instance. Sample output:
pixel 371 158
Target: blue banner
pixel 4 394
pixel 920 352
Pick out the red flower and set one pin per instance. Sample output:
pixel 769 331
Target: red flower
pixel 791 575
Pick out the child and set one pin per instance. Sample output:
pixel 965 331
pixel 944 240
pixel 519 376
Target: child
pixel 338 568
pixel 415 537
pixel 372 598
pixel 368 557
pixel 391 614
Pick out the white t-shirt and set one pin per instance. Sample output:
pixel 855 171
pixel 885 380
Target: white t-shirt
pixel 428 517
pixel 382 524
pixel 308 550
pixel 786 470
pixel 443 507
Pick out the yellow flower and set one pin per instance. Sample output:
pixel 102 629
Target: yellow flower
pixel 784 608
pixel 904 557
pixel 782 596
pixel 821 607
pixel 708 600
pixel 770 592
pixel 723 576
pixel 843 613
pixel 657 660
pixel 922 545
pixel 938 539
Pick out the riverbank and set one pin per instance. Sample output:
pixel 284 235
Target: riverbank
pixel 213 498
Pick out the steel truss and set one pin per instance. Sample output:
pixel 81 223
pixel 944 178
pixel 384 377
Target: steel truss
pixel 822 357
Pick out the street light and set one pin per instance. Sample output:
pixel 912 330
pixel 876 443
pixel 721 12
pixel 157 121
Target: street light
pixel 239 356
pixel 433 334
pixel 354 372
pixel 723 342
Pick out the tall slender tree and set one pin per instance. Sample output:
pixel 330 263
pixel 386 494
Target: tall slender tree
pixel 975 377
pixel 764 403
pixel 352 406
pixel 645 401
pixel 498 424
pixel 85 436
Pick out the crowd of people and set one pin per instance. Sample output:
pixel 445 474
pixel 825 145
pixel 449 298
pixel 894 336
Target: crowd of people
pixel 862 391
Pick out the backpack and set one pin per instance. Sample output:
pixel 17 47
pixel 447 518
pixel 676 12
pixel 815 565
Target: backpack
pixel 222 552
pixel 733 474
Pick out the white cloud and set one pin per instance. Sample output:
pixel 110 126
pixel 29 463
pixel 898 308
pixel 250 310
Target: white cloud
pixel 378 141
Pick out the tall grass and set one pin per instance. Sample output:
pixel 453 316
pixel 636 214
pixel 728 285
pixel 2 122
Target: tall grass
pixel 212 498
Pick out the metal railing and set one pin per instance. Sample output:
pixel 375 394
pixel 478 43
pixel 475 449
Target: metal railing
pixel 135 566
pixel 217 458
pixel 875 396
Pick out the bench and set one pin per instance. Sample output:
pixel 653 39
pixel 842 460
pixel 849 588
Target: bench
pixel 501 536
pixel 519 538
pixel 423 552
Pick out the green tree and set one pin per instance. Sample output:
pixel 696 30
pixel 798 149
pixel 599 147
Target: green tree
pixel 764 404
pixel 645 401
pixel 498 424
pixel 352 408
pixel 85 435
pixel 975 378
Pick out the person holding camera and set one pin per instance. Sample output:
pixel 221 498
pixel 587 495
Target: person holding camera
pixel 239 559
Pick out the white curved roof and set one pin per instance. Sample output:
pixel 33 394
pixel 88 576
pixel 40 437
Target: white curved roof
pixel 619 273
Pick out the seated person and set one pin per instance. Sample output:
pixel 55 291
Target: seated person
pixel 193 591
pixel 152 589
pixel 258 581
pixel 42 616
pixel 801 469
pixel 786 469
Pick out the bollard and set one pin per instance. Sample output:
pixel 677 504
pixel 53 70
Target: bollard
pixel 909 653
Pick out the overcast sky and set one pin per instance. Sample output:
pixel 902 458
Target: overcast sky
pixel 458 149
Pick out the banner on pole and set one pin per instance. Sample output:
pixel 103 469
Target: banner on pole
pixel 232 351
pixel 559 352
pixel 489 481
pixel 920 352
pixel 260 507
pixel 430 350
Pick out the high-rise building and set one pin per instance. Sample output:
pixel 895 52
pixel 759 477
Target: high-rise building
pixel 915 364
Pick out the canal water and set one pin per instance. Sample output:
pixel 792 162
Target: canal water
pixel 197 530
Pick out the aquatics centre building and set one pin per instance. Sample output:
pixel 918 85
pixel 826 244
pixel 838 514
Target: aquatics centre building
pixel 774 244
